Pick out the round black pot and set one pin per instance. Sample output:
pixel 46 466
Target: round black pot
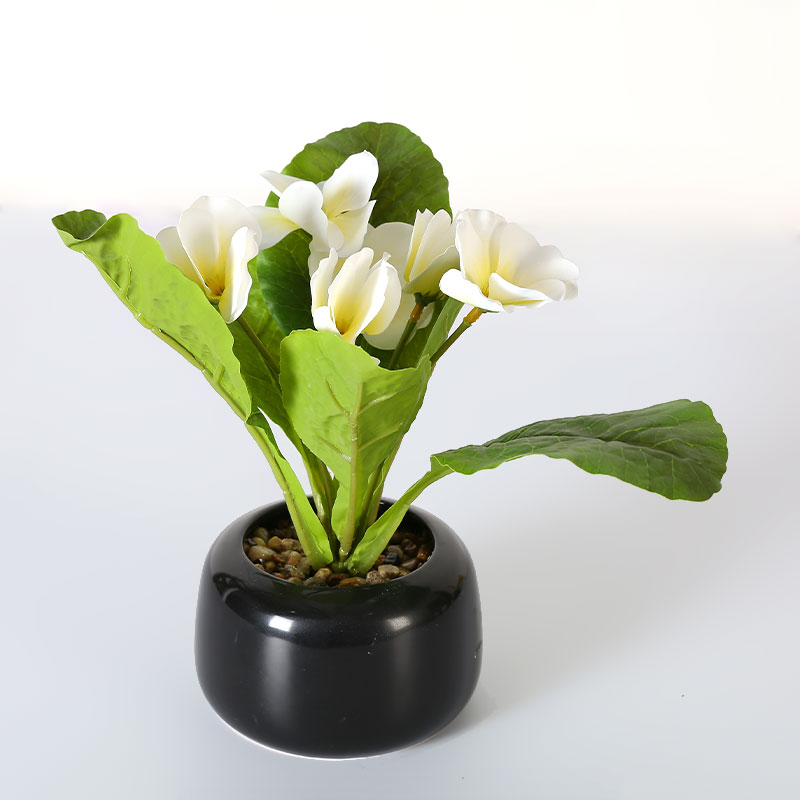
pixel 338 673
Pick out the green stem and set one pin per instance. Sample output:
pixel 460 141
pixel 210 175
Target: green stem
pixel 349 528
pixel 416 313
pixel 466 323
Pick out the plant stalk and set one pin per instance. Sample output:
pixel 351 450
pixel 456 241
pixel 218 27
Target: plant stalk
pixel 408 331
pixel 466 323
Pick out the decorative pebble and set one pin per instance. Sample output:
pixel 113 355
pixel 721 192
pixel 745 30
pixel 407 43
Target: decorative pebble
pixel 394 548
pixel 257 551
pixel 388 571
pixel 291 544
pixel 409 548
pixel 324 573
pixel 373 576
pixel 354 581
pixel 276 543
pixel 257 540
pixel 294 580
pixel 391 558
pixel 409 565
pixel 293 558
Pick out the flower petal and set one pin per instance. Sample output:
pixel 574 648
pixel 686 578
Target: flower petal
pixel 511 295
pixel 274 226
pixel 323 319
pixel 389 338
pixel 454 284
pixel 427 282
pixel 302 204
pixel 278 181
pixel 350 186
pixel 352 226
pixel 173 250
pixel 200 241
pixel 321 280
pixel 392 296
pixel 437 237
pixel 228 216
pixel 477 236
pixel 392 238
pixel 346 295
pixel 243 247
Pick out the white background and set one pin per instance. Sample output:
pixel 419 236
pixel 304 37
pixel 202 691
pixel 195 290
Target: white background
pixel 646 649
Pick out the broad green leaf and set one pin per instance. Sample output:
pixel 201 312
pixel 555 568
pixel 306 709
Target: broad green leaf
pixel 349 412
pixel 256 345
pixel 284 281
pixel 426 341
pixel 410 178
pixel 307 525
pixel 675 449
pixel 159 296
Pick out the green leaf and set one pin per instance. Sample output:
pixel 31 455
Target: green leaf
pixel 426 341
pixel 284 282
pixel 349 412
pixel 675 449
pixel 256 345
pixel 309 529
pixel 410 178
pixel 159 296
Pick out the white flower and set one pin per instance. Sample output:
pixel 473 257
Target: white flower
pixel 212 244
pixel 503 266
pixel 335 212
pixel 354 296
pixel 422 253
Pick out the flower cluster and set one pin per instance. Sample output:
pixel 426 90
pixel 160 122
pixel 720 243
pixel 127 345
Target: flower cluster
pixel 364 279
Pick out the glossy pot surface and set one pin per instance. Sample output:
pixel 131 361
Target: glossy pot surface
pixel 338 673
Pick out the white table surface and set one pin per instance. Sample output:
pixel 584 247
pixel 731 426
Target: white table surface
pixel 649 649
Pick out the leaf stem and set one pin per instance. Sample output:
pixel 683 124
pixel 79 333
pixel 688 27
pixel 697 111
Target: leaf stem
pixel 408 331
pixel 260 346
pixel 466 323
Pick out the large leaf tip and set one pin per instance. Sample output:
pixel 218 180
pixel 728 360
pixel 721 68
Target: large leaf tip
pixel 79 225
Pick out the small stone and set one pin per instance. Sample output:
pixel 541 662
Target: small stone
pixel 257 551
pixel 391 558
pixel 424 553
pixel 304 565
pixel 270 565
pixel 293 558
pixel 275 542
pixel 334 579
pixel 261 533
pixel 394 548
pixel 409 565
pixel 397 537
pixel 291 544
pixel 402 572
pixel 388 571
pixel 373 576
pixel 380 559
pixel 354 581
pixel 409 548
pixel 260 566
pixel 258 540
pixel 292 572
pixel 313 581
pixel 323 574
pixel 296 581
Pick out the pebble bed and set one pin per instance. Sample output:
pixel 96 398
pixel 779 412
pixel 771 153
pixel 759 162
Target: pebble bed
pixel 279 553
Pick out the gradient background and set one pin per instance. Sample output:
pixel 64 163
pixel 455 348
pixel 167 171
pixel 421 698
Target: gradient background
pixel 648 649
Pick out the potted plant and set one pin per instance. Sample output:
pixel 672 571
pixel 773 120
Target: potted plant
pixel 340 623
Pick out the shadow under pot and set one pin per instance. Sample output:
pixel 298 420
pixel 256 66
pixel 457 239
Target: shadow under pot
pixel 338 672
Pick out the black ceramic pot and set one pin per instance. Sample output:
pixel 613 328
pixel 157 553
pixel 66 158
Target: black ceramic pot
pixel 338 673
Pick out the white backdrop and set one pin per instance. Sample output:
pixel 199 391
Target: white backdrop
pixel 651 648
